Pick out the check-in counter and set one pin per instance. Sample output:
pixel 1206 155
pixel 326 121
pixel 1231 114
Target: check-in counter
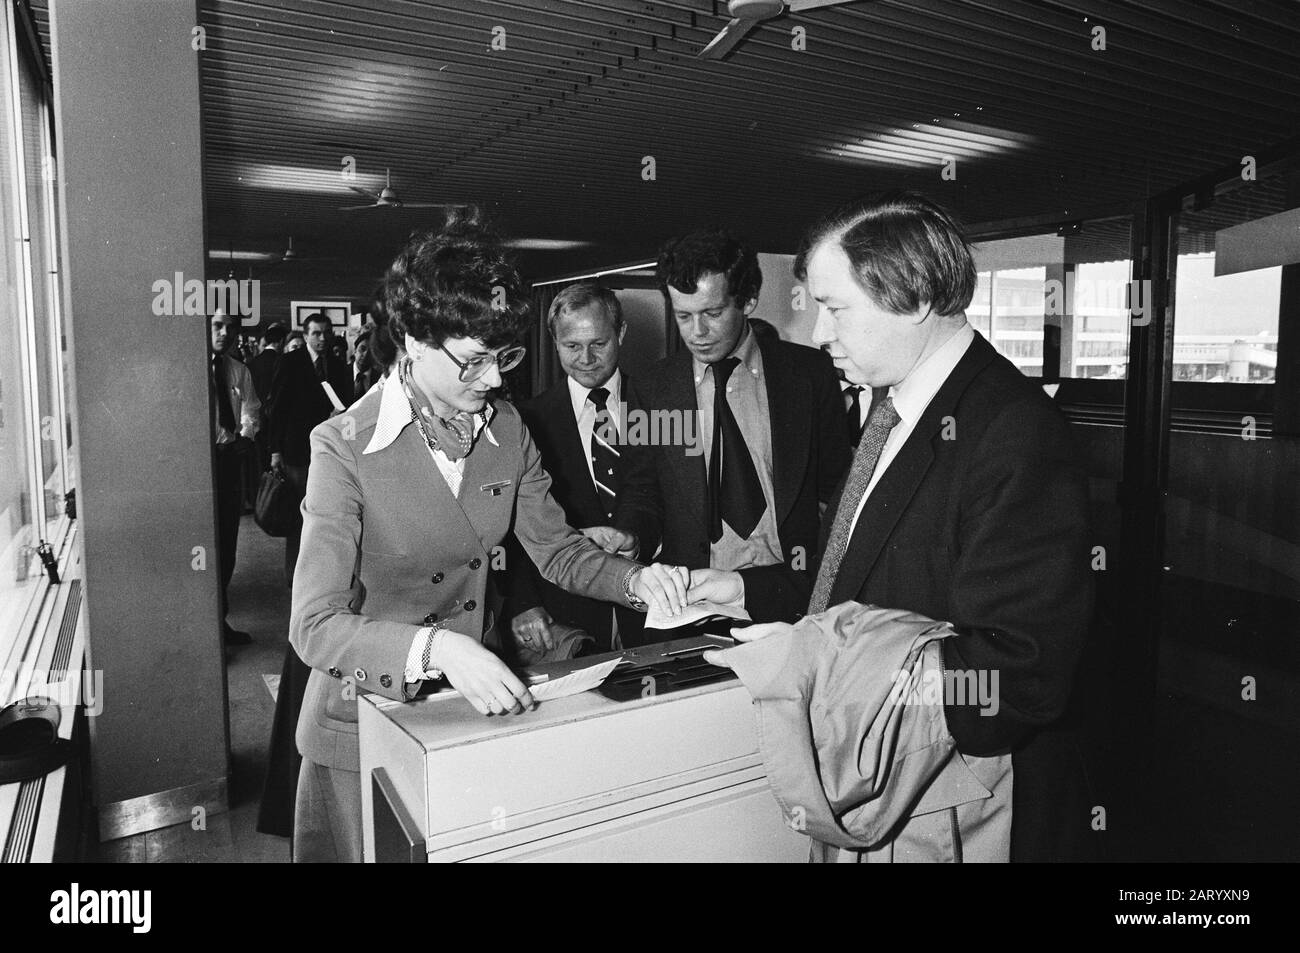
pixel 661 776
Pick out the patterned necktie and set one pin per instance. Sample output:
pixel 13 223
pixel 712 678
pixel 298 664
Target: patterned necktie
pixel 883 420
pixel 225 411
pixel 734 493
pixel 604 452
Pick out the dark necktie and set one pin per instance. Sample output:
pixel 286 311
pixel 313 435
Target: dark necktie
pixel 225 411
pixel 854 392
pixel 319 364
pixel 883 419
pixel 604 452
pixel 734 493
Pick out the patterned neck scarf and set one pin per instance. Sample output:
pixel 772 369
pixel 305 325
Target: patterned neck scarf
pixel 455 436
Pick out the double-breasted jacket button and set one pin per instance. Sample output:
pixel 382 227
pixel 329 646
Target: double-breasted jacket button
pixel 361 675
pixel 475 563
pixel 386 680
pixel 335 673
pixel 436 578
pixel 470 605
pixel 431 618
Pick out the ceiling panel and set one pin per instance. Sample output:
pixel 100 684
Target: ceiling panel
pixel 550 133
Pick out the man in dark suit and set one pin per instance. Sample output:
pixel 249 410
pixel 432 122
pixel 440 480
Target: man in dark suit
pixel 748 494
pixel 966 502
pixel 262 367
pixel 298 402
pixel 363 375
pixel 602 482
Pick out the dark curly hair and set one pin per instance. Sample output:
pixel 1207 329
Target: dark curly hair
pixel 684 259
pixel 456 282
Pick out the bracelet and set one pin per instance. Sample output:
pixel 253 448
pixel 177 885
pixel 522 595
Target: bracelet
pixel 633 600
pixel 426 660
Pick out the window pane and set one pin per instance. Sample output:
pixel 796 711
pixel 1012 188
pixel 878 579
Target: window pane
pixel 1101 321
pixel 1225 328
pixel 17 560
pixel 31 97
pixel 1078 283
pixel 1019 300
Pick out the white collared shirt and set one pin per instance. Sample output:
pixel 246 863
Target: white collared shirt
pixel 911 397
pixel 395 416
pixel 243 401
pixel 584 411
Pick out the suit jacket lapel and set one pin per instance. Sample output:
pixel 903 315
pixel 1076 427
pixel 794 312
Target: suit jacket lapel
pixel 787 395
pixel 487 464
pixel 433 495
pixel 692 474
pixel 573 455
pixel 899 483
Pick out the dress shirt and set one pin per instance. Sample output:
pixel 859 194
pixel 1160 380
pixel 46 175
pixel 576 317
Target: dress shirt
pixel 911 396
pixel 584 411
pixel 747 395
pixel 394 417
pixel 243 401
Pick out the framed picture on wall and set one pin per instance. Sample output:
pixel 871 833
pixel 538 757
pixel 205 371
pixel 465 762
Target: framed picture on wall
pixel 336 311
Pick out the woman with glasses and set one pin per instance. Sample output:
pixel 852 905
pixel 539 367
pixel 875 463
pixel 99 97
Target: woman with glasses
pixel 410 492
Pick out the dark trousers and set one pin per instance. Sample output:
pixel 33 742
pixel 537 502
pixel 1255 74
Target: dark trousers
pixel 296 479
pixel 230 506
pixel 283 763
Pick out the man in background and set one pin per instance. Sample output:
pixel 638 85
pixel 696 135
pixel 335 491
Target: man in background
pixel 299 401
pixel 603 484
pixel 747 496
pixel 236 418
pixel 363 375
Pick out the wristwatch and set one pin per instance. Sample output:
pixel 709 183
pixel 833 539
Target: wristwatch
pixel 637 603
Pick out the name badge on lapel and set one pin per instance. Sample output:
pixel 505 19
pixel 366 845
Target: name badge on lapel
pixel 495 488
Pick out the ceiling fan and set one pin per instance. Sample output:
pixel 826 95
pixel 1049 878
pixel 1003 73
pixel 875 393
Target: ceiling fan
pixel 747 14
pixel 387 198
pixel 289 256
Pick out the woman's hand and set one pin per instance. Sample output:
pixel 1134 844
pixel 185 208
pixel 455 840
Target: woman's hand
pixel 663 587
pixel 480 676
pixel 532 628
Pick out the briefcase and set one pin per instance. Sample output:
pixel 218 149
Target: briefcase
pixel 276 509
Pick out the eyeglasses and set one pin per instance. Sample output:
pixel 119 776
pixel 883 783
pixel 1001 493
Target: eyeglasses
pixel 476 367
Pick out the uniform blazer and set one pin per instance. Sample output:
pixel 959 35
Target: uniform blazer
pixel 298 403
pixel 387 548
pixel 550 420
pixel 981 521
pixel 810 454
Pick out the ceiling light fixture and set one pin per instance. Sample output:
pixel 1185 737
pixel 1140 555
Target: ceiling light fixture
pixel 923 145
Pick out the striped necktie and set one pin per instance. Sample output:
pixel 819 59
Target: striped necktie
pixel 883 419
pixel 604 452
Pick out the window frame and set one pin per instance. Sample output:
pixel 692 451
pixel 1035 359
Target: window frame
pixel 19 36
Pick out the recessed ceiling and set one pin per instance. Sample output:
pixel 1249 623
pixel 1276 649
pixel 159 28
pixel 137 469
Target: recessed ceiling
pixel 554 129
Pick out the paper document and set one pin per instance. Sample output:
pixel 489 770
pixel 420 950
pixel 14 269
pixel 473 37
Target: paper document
pixel 334 398
pixel 583 680
pixel 693 613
